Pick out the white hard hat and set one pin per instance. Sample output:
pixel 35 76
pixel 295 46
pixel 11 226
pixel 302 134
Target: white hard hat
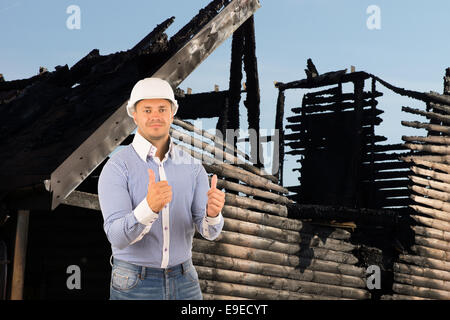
pixel 151 88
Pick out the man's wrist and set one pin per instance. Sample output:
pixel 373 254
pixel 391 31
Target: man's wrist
pixel 213 220
pixel 144 214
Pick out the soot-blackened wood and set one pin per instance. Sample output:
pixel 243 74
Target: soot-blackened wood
pixel 368 115
pixel 279 127
pixel 252 101
pixel 354 186
pixel 447 82
pixel 325 79
pixel 202 105
pixel 235 79
pixel 223 118
pixel 334 106
pixel 311 71
pixel 196 24
pixel 363 216
pixel 441 118
pixel 153 36
pixel 314 100
pixel 234 96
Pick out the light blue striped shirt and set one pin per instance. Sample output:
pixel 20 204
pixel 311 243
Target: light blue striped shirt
pixel 137 234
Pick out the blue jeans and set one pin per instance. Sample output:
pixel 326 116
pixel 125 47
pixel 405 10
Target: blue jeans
pixel 133 282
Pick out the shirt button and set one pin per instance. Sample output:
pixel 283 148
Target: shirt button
pixel 165 228
pixel 165 249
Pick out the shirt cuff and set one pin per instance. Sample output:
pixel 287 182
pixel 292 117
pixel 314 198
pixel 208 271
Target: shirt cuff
pixel 144 214
pixel 213 220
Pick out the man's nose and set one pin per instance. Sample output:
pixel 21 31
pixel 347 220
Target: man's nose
pixel 154 115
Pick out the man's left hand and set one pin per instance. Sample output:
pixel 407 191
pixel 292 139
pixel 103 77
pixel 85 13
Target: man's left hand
pixel 216 199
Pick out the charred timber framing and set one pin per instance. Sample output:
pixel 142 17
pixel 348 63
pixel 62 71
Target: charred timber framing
pixel 252 101
pixel 279 126
pixel 118 126
pixel 319 137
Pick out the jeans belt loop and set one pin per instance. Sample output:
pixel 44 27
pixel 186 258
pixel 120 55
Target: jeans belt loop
pixel 142 273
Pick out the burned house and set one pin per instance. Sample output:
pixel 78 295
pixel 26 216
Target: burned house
pixel 359 203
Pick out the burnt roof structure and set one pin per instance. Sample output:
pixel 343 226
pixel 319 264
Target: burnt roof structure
pixel 79 111
pixel 354 206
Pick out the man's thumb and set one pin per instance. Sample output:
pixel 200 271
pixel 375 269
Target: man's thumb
pixel 151 177
pixel 214 182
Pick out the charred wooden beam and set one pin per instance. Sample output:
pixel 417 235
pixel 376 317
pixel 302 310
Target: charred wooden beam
pixel 237 52
pixel 429 164
pixel 447 81
pixel 230 250
pixel 280 226
pixel 432 243
pixel 152 37
pixel 225 169
pixel 367 113
pixel 267 269
pixel 360 215
pixel 431 233
pixel 431 183
pixel 425 262
pixel 254 292
pixel 252 101
pixel 440 107
pixel 330 91
pixel 427 126
pixel 426 97
pixel 430 173
pixel 202 105
pixel 434 203
pixel 430 115
pixel 324 79
pixel 217 140
pixel 335 107
pixel 251 241
pixel 420 271
pixel 296 286
pixel 425 284
pixel 278 161
pixel 431 253
pixel 432 223
pixel 428 139
pixel 340 98
pixel 428 148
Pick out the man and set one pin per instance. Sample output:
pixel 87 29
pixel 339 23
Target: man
pixel 153 195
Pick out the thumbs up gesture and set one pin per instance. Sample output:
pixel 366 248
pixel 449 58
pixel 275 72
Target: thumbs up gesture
pixel 216 199
pixel 158 193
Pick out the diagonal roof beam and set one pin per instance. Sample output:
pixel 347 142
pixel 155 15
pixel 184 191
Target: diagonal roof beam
pixel 77 167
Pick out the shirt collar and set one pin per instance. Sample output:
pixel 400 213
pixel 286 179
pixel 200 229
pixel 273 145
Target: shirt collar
pixel 145 148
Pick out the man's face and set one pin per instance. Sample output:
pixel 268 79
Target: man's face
pixel 153 118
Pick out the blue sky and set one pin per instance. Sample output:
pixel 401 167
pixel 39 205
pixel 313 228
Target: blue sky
pixel 410 50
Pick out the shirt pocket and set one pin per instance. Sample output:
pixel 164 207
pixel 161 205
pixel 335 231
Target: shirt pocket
pixel 123 279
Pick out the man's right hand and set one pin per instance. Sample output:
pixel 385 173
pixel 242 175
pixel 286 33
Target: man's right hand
pixel 158 194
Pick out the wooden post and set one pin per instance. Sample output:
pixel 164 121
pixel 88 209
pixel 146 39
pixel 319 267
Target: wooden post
pixel 20 251
pixel 252 101
pixel 447 81
pixel 279 126
pixel 355 196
